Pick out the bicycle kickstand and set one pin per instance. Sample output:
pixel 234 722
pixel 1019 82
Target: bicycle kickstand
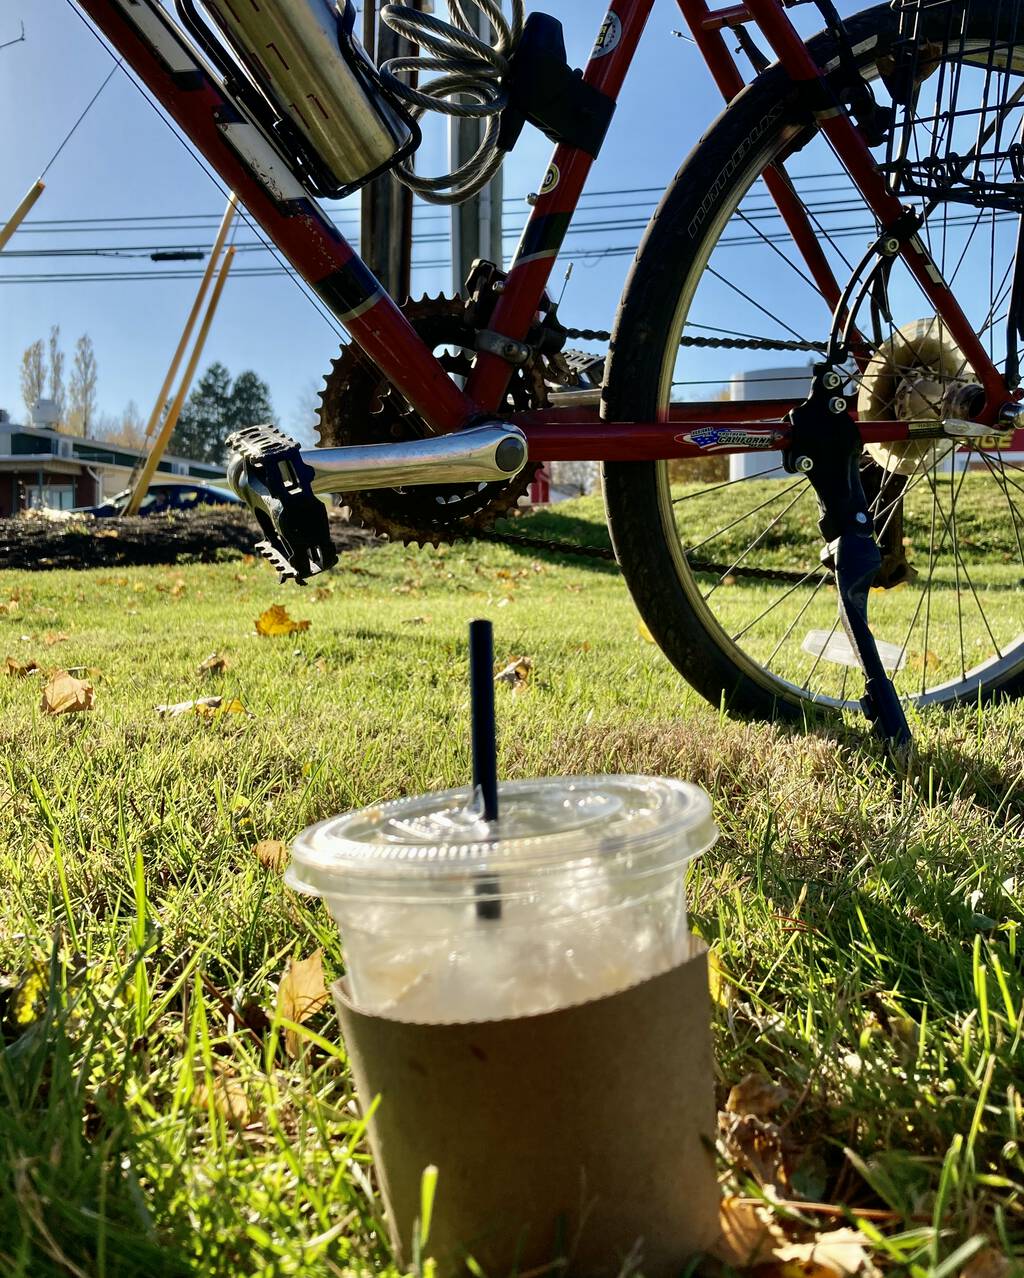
pixel 825 446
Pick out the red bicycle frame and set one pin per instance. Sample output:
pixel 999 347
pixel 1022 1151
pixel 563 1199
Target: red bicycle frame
pixel 191 93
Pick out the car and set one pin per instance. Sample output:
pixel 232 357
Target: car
pixel 166 497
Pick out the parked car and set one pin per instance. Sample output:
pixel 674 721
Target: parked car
pixel 167 496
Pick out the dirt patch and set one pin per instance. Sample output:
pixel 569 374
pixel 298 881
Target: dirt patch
pixel 36 542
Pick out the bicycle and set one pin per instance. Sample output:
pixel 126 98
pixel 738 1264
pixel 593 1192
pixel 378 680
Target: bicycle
pixel 436 415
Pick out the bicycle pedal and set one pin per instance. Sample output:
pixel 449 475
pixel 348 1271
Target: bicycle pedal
pixel 268 473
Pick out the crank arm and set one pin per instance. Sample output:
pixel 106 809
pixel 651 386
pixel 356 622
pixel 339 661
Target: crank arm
pixel 282 483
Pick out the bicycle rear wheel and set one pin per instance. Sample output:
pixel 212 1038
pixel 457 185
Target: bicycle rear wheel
pixel 725 569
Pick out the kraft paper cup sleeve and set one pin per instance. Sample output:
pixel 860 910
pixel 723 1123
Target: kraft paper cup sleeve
pixel 586 1132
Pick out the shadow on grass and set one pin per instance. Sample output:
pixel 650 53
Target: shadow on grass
pixel 584 528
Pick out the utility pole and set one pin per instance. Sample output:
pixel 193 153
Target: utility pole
pixel 385 237
pixel 476 222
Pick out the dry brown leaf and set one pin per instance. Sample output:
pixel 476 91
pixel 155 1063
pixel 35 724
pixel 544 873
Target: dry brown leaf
pixel 55 636
pixel 178 588
pixel 835 1254
pixel 65 694
pixel 213 664
pixel 749 1236
pixel 275 621
pixel 516 674
pixel 228 1096
pixel 320 593
pixel 753 1145
pixel 415 621
pixel 273 853
pixel 987 1263
pixel 16 669
pixel 756 1094
pixel 924 661
pixel 9 609
pixel 302 993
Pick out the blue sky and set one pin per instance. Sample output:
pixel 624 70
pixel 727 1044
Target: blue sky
pixel 125 160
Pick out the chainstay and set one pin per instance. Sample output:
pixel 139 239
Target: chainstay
pixel 605 553
pixel 714 343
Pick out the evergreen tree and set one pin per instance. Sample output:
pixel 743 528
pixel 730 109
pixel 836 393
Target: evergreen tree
pixel 205 420
pixel 250 401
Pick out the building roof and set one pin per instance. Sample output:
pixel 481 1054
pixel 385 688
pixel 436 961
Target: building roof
pixel 35 445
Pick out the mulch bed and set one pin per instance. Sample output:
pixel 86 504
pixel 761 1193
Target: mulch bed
pixel 37 542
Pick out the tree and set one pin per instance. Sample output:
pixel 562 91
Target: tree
pixel 57 374
pixel 250 401
pixel 33 376
pixel 205 420
pixel 82 387
pixel 126 430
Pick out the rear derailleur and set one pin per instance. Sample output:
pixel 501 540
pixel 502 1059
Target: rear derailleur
pixel 825 446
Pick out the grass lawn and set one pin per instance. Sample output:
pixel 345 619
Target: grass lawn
pixel 865 930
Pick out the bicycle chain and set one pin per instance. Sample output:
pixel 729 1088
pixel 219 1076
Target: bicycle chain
pixel 782 575
pixel 715 343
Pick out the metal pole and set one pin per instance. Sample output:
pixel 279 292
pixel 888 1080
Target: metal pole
pixel 385 241
pixel 476 222
pixel 21 212
pixel 171 420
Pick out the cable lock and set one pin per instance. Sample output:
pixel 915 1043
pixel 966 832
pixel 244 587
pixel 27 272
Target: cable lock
pixel 470 68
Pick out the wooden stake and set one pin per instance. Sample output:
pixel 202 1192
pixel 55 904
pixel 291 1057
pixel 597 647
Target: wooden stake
pixel 186 332
pixel 21 212
pixel 171 420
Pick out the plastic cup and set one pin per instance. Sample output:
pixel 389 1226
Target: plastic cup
pixel 577 891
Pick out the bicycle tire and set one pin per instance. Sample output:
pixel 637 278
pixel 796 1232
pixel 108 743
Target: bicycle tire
pixel 767 120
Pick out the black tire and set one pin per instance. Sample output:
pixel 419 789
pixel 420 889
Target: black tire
pixel 765 120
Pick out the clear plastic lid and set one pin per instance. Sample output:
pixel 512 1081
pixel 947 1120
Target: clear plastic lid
pixel 421 846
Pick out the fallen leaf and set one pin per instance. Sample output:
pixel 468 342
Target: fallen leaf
pixel 516 674
pixel 924 661
pixel 273 853
pixel 756 1094
pixel 644 633
pixel 718 981
pixel 749 1236
pixel 16 669
pixel 139 588
pixel 987 1263
pixel 301 993
pixel 65 694
pixel 55 636
pixel 199 706
pixel 205 707
pixel 213 664
pixel 320 593
pixel 753 1145
pixel 228 1097
pixel 415 621
pixel 9 609
pixel 839 1252
pixel 179 587
pixel 275 621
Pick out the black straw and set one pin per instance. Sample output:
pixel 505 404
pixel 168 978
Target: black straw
pixel 485 749
pixel 481 694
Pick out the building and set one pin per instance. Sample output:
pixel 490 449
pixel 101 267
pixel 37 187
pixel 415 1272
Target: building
pixel 40 467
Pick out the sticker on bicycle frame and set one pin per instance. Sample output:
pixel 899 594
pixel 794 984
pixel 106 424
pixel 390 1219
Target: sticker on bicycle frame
pixel 609 35
pixel 715 438
pixel 550 179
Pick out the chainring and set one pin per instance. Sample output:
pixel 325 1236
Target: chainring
pixel 358 405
